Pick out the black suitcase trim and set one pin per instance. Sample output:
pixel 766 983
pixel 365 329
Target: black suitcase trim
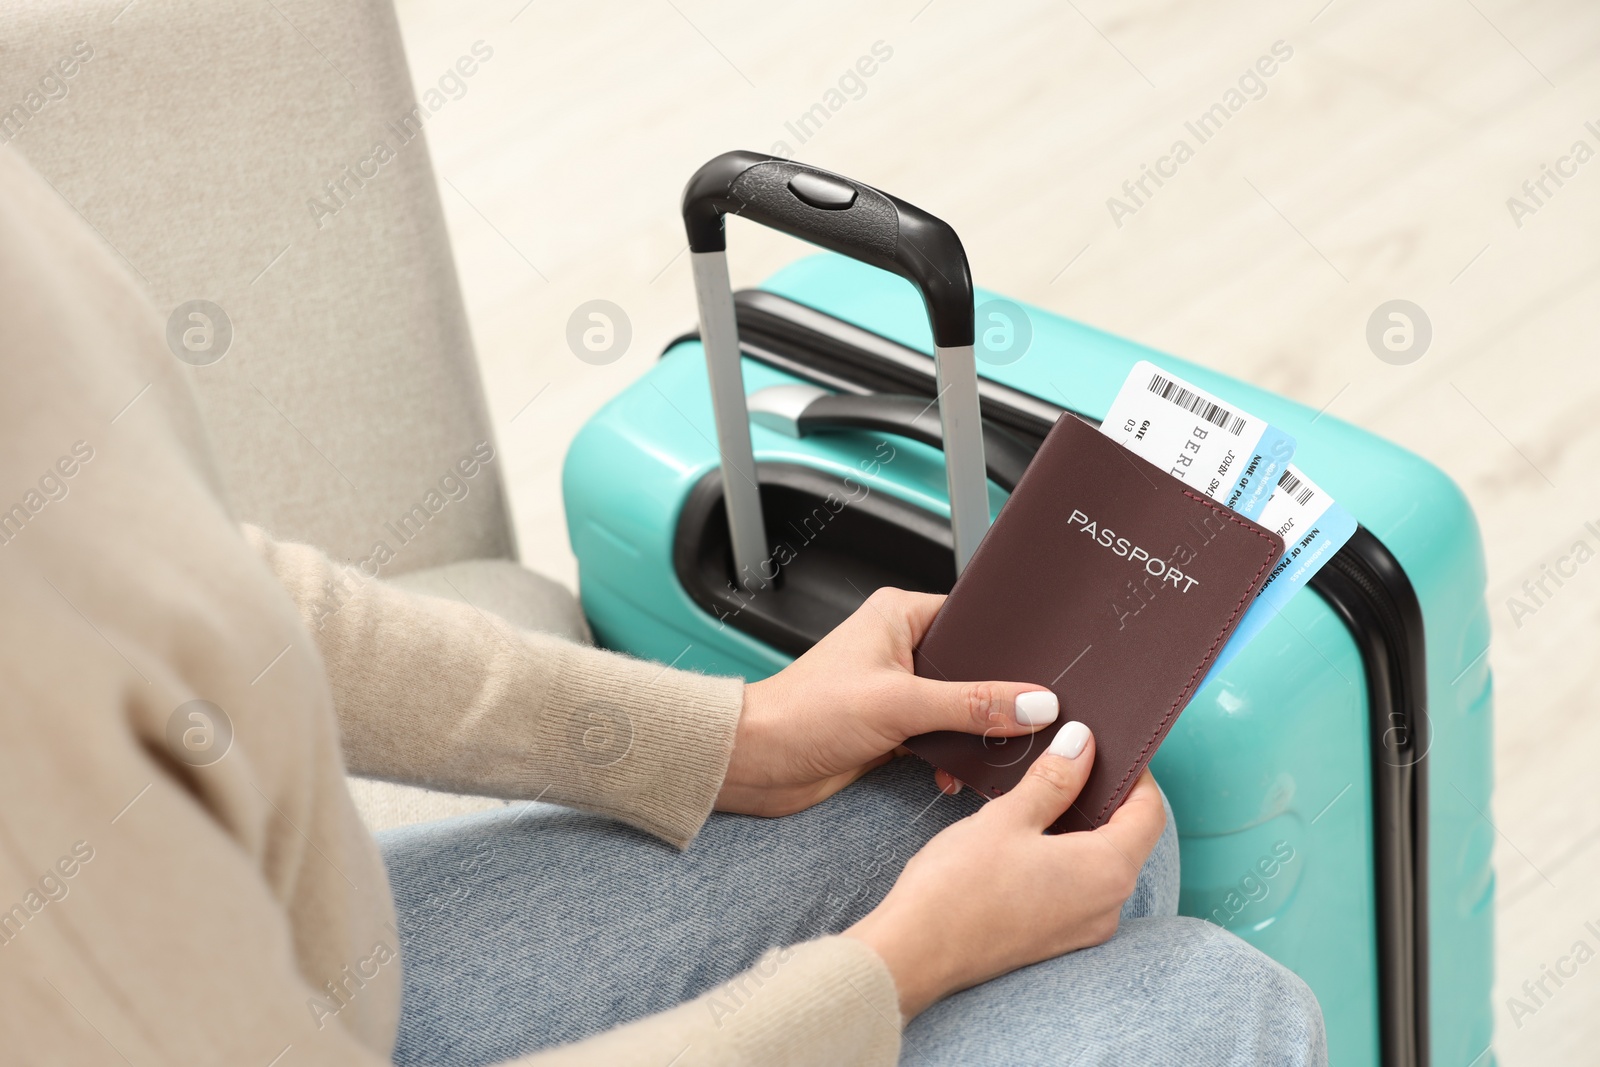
pixel 1364 585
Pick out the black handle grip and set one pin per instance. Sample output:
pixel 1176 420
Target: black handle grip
pixel 1004 456
pixel 842 215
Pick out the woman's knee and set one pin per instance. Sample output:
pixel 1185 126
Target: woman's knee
pixel 1272 1017
pixel 1164 990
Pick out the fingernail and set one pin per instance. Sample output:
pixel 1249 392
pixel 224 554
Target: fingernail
pixel 1070 739
pixel 1037 709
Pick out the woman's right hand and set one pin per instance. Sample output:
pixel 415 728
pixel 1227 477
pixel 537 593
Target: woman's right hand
pixel 993 892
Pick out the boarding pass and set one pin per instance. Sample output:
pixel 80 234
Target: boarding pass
pixel 1229 455
pixel 1313 528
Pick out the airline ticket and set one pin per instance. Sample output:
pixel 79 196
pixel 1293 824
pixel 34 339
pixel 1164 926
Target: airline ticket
pixel 1313 527
pixel 1228 454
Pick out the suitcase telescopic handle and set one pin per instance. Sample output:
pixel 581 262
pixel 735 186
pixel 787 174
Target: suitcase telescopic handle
pixel 859 221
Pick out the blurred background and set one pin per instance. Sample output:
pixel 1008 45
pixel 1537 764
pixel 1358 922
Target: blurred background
pixel 1379 161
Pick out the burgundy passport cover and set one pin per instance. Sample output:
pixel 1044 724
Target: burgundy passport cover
pixel 1109 581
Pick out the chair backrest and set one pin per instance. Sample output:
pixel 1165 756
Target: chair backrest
pixel 268 159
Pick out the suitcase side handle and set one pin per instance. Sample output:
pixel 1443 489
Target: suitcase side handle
pixel 803 410
pixel 859 221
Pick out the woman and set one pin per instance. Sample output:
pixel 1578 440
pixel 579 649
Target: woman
pixel 192 884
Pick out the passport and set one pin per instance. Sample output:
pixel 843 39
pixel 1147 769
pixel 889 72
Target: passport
pixel 1109 581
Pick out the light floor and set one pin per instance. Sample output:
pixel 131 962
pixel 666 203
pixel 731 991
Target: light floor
pixel 1375 165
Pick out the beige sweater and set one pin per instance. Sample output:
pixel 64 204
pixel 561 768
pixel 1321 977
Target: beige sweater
pixel 162 906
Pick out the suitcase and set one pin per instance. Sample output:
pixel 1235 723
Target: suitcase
pixel 1331 785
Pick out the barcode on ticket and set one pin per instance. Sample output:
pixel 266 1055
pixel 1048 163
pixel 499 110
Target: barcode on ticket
pixel 1289 484
pixel 1194 404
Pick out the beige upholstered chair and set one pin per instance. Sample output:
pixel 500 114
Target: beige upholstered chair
pixel 267 158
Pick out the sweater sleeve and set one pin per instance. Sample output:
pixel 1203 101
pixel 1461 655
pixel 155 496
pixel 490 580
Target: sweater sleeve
pixel 437 693
pixel 830 1001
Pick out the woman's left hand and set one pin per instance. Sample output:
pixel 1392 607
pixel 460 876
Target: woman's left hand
pixel 845 706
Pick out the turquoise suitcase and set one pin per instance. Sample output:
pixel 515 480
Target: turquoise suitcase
pixel 1331 785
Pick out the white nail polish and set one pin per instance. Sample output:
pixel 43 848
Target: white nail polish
pixel 1037 709
pixel 1070 739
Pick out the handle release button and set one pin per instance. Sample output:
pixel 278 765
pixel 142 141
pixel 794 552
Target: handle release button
pixel 829 194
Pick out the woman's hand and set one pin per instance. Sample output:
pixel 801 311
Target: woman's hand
pixel 844 707
pixel 993 892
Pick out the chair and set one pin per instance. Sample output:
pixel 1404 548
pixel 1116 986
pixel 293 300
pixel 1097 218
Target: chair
pixel 270 160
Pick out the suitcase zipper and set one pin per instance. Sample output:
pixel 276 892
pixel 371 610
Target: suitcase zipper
pixel 1365 585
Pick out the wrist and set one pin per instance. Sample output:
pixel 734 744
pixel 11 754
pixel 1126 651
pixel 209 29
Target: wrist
pixel 919 974
pixel 742 789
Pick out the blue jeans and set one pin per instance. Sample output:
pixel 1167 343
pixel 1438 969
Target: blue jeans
pixel 531 927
